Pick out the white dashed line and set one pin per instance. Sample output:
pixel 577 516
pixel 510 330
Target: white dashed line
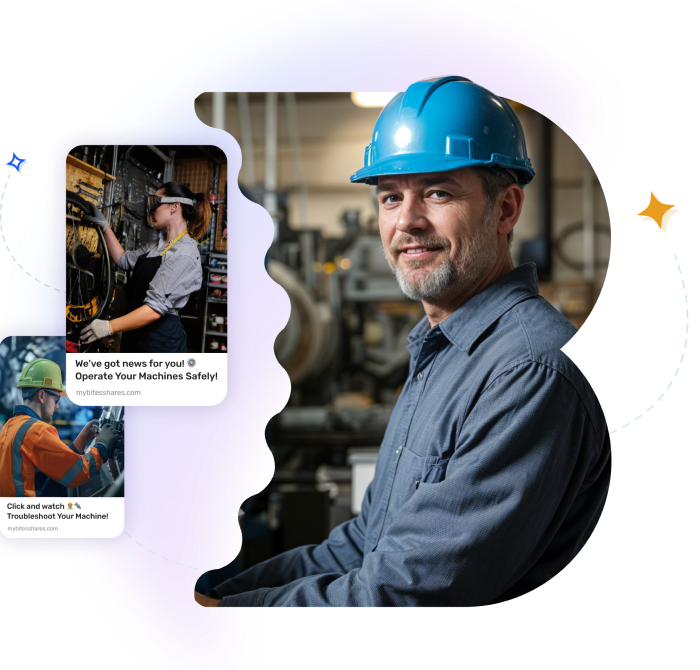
pixel 165 558
pixel 29 274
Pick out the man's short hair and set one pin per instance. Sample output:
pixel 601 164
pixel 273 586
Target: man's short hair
pixel 32 391
pixel 29 392
pixel 493 183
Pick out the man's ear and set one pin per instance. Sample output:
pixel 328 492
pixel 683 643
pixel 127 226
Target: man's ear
pixel 40 396
pixel 510 205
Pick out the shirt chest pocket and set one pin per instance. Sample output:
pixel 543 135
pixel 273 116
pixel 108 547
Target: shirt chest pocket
pixel 412 471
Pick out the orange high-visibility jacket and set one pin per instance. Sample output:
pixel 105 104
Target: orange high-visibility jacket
pixel 28 444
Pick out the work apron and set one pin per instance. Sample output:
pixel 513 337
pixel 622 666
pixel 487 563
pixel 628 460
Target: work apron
pixel 163 336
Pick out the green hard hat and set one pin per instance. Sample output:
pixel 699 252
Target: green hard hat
pixel 42 373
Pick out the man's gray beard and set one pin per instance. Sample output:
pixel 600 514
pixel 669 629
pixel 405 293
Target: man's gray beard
pixel 475 258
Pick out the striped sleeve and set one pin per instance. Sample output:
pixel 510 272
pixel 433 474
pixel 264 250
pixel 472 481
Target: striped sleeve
pixel 57 461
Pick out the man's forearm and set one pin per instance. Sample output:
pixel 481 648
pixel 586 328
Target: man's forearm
pixel 282 569
pixel 339 554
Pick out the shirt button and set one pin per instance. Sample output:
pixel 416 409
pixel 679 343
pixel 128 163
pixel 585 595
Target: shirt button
pixel 399 449
pixel 419 376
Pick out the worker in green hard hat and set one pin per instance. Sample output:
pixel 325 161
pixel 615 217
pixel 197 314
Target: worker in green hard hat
pixel 32 456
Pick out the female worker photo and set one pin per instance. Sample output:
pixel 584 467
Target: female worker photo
pixel 163 273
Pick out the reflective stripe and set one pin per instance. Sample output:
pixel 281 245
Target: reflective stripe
pixel 17 457
pixel 93 465
pixel 72 473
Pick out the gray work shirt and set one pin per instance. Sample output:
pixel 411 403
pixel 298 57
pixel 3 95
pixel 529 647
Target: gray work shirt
pixel 491 476
pixel 180 273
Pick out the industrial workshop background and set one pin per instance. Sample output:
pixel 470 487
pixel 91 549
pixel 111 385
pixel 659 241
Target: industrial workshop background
pixel 344 346
pixel 118 179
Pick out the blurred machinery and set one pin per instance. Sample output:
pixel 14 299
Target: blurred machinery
pixel 113 414
pixel 344 348
pixel 69 419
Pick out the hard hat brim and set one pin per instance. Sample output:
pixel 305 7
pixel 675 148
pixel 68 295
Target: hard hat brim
pixel 61 394
pixel 427 163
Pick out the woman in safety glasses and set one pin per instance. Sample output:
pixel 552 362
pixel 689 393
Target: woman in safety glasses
pixel 163 273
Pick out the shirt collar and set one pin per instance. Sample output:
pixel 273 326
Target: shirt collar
pixel 23 409
pixel 464 326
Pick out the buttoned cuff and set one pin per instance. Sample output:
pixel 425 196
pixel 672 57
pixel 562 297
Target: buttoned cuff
pixel 251 599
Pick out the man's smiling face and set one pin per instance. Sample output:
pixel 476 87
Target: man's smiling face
pixel 438 233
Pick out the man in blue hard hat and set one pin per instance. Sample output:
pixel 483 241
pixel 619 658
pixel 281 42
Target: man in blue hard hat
pixel 495 465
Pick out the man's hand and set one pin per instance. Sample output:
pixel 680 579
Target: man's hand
pixel 95 331
pixel 87 435
pixel 109 437
pixel 204 601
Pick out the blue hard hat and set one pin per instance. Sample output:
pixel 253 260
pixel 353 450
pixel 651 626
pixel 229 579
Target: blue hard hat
pixel 445 124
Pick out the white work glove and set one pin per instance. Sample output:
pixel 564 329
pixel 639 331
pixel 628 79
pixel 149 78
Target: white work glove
pixel 95 331
pixel 97 218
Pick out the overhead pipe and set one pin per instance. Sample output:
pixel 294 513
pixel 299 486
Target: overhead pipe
pixel 246 139
pixel 295 143
pixel 270 183
pixel 588 222
pixel 218 110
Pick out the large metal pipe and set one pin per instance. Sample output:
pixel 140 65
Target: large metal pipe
pixel 218 110
pixel 246 139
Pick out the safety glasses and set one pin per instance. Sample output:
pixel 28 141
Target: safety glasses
pixel 155 201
